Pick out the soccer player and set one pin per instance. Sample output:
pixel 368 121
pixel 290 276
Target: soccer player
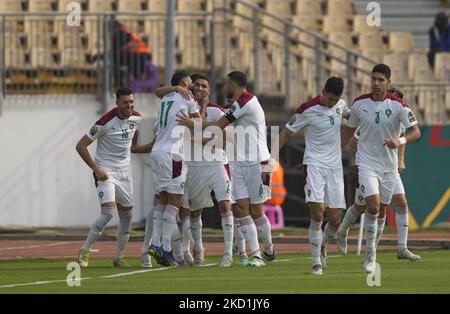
pixel 249 189
pixel 378 115
pixel 210 174
pixel 322 163
pixel 112 171
pixel 168 159
pixel 399 198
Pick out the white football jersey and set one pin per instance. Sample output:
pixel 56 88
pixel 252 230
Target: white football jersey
pixel 114 137
pixel 322 132
pixel 210 156
pixel 170 135
pixel 250 136
pixel 377 122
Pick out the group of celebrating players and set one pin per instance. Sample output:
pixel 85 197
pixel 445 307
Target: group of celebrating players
pixel 200 148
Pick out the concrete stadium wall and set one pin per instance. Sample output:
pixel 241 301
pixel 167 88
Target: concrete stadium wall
pixel 43 181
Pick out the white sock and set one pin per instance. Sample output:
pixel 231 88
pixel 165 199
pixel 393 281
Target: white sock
pixel 315 239
pixel 187 236
pixel 157 225
pixel 148 230
pixel 329 233
pixel 371 226
pixel 196 231
pixel 351 215
pixel 176 244
pixel 250 233
pixel 265 232
pixel 97 228
pixel 123 232
pixel 169 224
pixel 402 222
pixel 227 227
pixel 239 237
pixel 380 229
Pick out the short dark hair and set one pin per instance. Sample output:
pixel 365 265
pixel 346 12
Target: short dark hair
pixel 178 77
pixel 198 76
pixel 124 91
pixel 239 78
pixel 335 85
pixel 383 69
pixel 397 92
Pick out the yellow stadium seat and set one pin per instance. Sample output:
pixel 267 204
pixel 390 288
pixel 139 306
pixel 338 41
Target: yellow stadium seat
pixel 418 66
pixel 99 6
pixel 190 6
pixel 35 6
pixel 157 6
pixel 14 58
pixel 313 24
pixel 280 8
pixel 129 5
pixel 442 66
pixel 360 25
pixel 245 17
pixel 335 24
pixel 401 41
pixel 398 62
pixel 340 8
pixel 10 6
pixel 309 8
pixel 370 40
pixel 41 57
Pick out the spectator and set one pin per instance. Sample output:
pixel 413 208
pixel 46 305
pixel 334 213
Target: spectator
pixel 128 51
pixel 439 36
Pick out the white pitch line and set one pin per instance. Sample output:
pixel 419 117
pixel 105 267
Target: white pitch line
pixel 84 279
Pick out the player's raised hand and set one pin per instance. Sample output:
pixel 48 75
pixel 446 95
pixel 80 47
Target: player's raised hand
pixel 183 119
pixel 101 174
pixel 392 143
pixel 185 93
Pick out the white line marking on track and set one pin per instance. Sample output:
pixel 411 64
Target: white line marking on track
pixel 24 247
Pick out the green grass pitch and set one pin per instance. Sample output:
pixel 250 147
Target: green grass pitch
pixel 289 275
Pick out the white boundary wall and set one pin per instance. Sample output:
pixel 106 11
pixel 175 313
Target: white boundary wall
pixel 43 181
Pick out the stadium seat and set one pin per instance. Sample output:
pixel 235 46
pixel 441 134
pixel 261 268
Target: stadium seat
pixel 442 66
pixel 14 58
pixel 314 24
pixel 99 6
pixel 340 8
pixel 157 6
pixel 418 67
pixel 10 6
pixel 244 22
pixel 335 24
pixel 129 5
pixel 373 54
pixel 309 8
pixel 370 40
pixel 280 8
pixel 398 62
pixel 401 41
pixel 342 39
pixel 190 6
pixel 360 25
pixel 36 6
pixel 41 58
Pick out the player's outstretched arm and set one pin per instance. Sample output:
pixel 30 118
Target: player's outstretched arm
pixel 183 119
pixel 163 91
pixel 143 149
pixel 280 141
pixel 82 149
